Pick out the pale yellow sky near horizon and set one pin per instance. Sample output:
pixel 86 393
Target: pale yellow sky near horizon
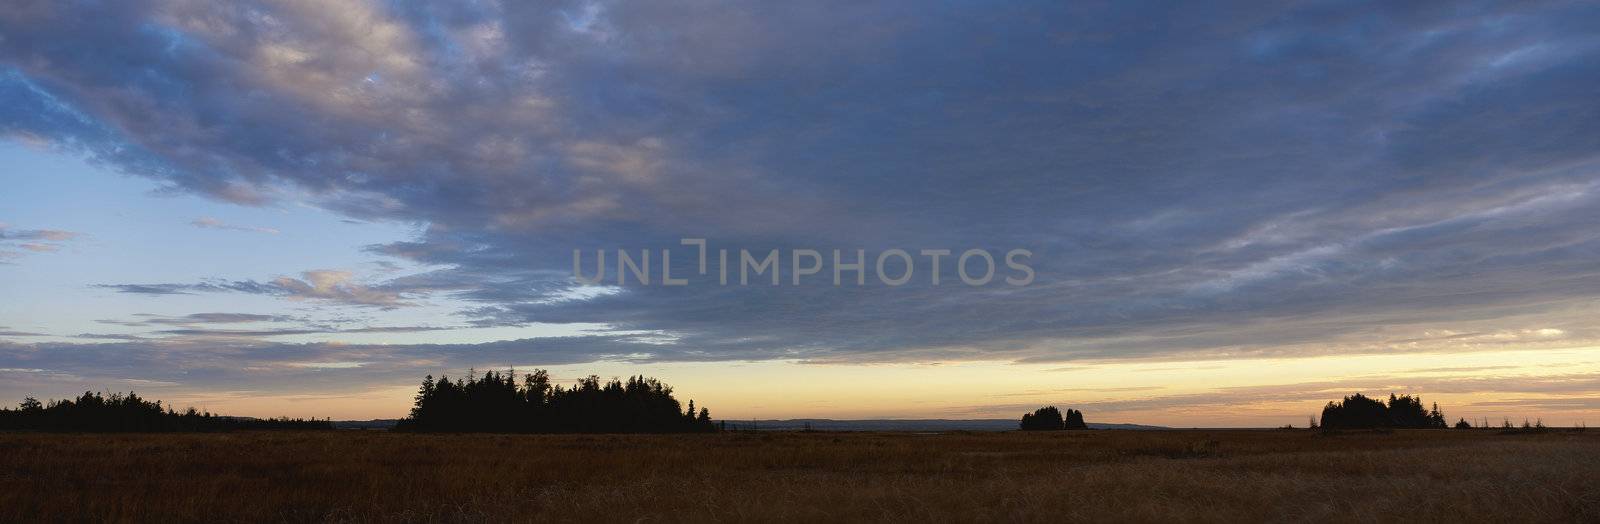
pixel 1547 384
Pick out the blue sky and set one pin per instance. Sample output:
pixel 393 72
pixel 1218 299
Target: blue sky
pixel 301 200
pixel 130 231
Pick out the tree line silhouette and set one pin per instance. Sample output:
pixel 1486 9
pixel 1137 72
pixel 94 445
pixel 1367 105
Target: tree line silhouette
pixel 1360 412
pixel 1049 418
pixel 495 402
pixel 94 412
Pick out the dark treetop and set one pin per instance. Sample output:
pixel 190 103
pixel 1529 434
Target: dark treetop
pixel 496 403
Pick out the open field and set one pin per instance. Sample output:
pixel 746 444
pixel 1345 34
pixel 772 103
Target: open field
pixel 1090 475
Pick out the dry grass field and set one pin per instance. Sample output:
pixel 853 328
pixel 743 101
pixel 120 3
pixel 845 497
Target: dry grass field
pixel 1198 475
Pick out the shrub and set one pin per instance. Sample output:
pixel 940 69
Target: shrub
pixel 1050 418
pixel 1045 418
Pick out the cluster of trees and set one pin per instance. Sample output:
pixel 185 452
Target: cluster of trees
pixel 495 402
pixel 1049 418
pixel 1360 412
pixel 130 413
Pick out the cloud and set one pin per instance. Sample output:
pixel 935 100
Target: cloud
pixel 1204 181
pixel 219 318
pixel 221 326
pixel 241 286
pixel 108 336
pixel 149 289
pixel 212 223
pixel 43 241
pixel 324 284
pixel 337 286
pixel 148 319
pixel 259 333
pixel 36 234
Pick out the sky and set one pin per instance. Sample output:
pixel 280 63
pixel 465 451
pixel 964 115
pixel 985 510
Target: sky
pixel 1228 213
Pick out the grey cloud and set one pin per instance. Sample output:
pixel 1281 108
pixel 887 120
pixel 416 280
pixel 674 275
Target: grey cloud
pixel 258 333
pixel 198 325
pixel 217 318
pixel 322 284
pixel 212 223
pixel 148 319
pixel 36 234
pixel 149 289
pixel 108 336
pixel 1218 180
pixel 187 289
pixel 31 240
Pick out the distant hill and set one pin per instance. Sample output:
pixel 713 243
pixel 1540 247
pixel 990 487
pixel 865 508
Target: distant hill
pixel 822 424
pixel 378 423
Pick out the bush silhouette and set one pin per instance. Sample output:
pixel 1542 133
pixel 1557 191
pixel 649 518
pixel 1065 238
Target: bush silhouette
pixel 1045 418
pixel 496 403
pixel 1049 418
pixel 1075 420
pixel 95 412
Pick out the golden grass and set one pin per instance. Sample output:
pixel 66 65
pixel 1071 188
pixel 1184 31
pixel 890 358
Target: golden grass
pixel 1084 476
